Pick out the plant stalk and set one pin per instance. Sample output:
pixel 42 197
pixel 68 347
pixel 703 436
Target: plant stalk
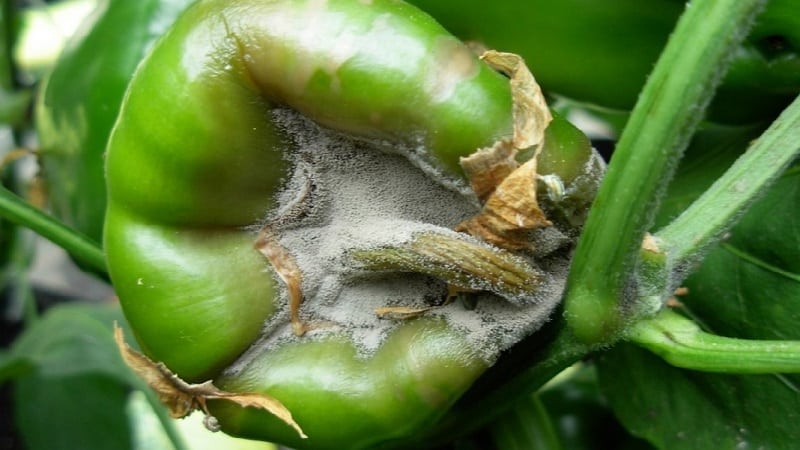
pixel 661 125
pixel 682 343
pixel 83 249
pixel 721 205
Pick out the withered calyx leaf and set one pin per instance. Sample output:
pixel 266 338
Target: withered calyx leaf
pixel 182 398
pixel 506 188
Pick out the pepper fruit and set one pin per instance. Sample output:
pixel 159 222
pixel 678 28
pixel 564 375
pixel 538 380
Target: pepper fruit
pixel 203 151
pixel 600 53
pixel 80 99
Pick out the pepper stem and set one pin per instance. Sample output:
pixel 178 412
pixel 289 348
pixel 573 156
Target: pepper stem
pixel 721 205
pixel 82 248
pixel 682 343
pixel 668 111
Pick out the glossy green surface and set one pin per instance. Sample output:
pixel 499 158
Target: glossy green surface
pixel 195 157
pixel 356 402
pixel 194 163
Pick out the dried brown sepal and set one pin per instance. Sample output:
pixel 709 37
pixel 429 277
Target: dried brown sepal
pixel 510 212
pixel 673 302
pixel 508 190
pixel 488 167
pixel 182 398
pixel 651 244
pixel 530 111
pixel 400 312
pixel 289 272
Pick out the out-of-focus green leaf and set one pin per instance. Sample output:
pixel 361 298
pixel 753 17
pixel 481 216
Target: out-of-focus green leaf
pixel 581 415
pixel 712 150
pixel 525 426
pixel 747 287
pixel 681 409
pixel 74 340
pixel 42 30
pixel 69 377
pixel 75 390
pixel 12 366
pixel 85 411
pixel 13 106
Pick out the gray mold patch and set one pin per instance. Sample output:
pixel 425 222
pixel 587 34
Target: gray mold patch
pixel 346 194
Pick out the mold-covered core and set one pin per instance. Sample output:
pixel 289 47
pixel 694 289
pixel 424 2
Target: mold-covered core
pixel 345 195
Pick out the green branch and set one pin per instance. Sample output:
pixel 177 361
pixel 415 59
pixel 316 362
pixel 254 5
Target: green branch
pixel 660 127
pixel 683 344
pixel 722 204
pixel 80 247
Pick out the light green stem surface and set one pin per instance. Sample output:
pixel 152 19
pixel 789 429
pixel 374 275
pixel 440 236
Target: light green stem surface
pixel 660 127
pixel 22 213
pixel 722 204
pixel 683 344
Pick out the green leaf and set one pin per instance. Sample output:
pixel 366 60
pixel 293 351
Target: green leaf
pixel 712 150
pixel 525 426
pixel 682 409
pixel 75 390
pixel 70 412
pixel 14 105
pixel 74 340
pixel 747 287
pixel 12 366
pixel 582 416
pixel 68 365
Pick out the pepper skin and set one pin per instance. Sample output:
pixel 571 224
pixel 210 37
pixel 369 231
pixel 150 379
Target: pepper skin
pixel 194 161
pixel 80 101
pixel 177 201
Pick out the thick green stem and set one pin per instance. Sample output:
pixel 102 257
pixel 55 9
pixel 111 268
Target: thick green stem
pixel 683 344
pixel 670 106
pixel 719 207
pixel 82 248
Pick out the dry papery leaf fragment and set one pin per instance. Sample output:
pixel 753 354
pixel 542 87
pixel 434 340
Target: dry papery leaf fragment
pixel 182 398
pixel 530 111
pixel 289 272
pixel 506 188
pixel 401 312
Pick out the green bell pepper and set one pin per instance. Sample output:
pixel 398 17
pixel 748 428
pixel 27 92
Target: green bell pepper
pixel 80 101
pixel 601 52
pixel 205 150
